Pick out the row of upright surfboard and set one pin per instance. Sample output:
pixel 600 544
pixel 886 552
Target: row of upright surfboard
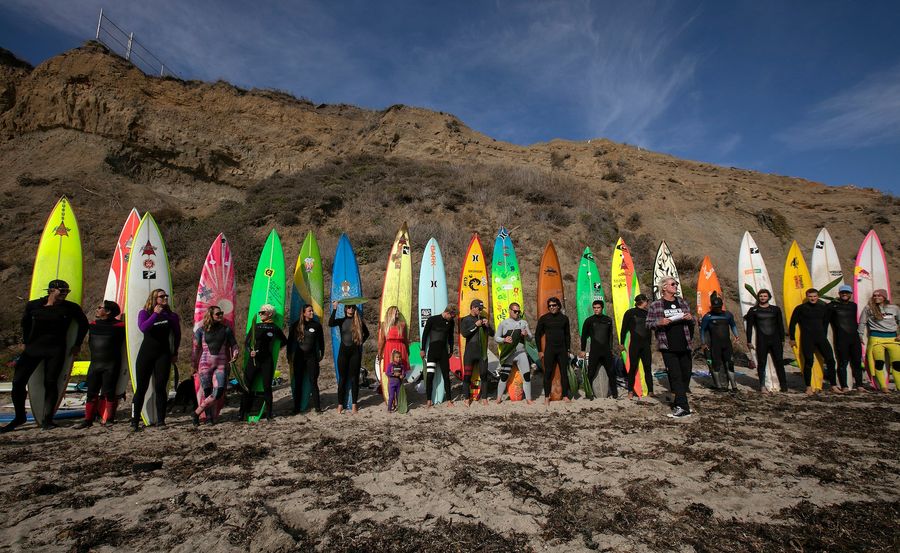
pixel 140 264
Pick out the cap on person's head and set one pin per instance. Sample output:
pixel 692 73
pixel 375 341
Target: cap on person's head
pixel 845 288
pixel 58 284
pixel 716 302
pixel 112 308
pixel 476 303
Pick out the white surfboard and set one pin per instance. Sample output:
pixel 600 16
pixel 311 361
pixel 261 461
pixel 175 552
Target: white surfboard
pixel 432 301
pixel 148 269
pixel 663 267
pixel 752 273
pixel 827 277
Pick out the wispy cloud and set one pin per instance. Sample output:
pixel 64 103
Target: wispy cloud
pixel 867 114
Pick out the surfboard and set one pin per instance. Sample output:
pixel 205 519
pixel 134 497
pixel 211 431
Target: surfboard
pixel 115 285
pixel 396 292
pixel 797 281
pixel 625 286
pixel 307 289
pixel 432 301
pixel 588 289
pixel 870 273
pixel 345 283
pixel 269 287
pixel 550 285
pixel 753 277
pixel 58 257
pixel 215 288
pixel 663 267
pixel 707 287
pixel 506 288
pixel 473 284
pixel 148 269
pixel 827 277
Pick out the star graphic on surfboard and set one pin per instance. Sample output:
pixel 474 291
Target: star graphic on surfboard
pixel 61 230
pixel 148 249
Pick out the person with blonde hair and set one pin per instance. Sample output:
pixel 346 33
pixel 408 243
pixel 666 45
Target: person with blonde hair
pixel 353 333
pixel 260 343
pixel 214 349
pixel 159 350
pixel 880 319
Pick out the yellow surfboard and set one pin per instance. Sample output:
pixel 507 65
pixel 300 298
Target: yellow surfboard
pixel 796 282
pixel 58 257
pixel 397 291
pixel 473 284
pixel 624 287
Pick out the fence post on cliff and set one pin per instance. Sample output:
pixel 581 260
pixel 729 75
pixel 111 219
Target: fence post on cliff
pixel 128 49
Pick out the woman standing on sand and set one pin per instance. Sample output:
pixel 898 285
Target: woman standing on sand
pixel 306 347
pixel 214 348
pixel 880 319
pixel 162 336
pixel 353 334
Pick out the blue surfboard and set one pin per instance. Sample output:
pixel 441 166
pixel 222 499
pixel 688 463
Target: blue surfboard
pixel 345 283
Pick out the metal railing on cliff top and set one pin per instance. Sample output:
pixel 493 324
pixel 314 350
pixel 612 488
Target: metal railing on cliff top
pixel 128 47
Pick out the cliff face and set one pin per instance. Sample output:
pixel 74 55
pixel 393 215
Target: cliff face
pixel 206 157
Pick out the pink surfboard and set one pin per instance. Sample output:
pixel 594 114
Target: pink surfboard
pixel 216 288
pixel 869 274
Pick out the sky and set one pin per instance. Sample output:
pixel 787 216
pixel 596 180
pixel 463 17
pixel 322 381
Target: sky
pixel 805 89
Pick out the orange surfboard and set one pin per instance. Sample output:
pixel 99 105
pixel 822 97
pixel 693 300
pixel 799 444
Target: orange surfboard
pixel 550 284
pixel 707 285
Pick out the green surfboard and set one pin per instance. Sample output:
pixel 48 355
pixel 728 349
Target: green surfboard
pixel 588 289
pixel 268 287
pixel 308 289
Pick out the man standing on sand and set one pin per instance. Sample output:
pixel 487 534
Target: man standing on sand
pixel 812 316
pixel 511 335
pixel 45 328
pixel 671 319
pixel 437 341
pixel 475 327
pixel 765 319
pixel 554 326
pixel 842 316
pixel 599 328
pixel 717 331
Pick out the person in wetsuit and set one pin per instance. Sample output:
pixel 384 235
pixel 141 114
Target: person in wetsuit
pixel 812 317
pixel 215 348
pixel 766 320
pixel 159 350
pixel 717 329
pixel 260 341
pixel 353 334
pixel 45 330
pixel 880 319
pixel 306 348
pixel 671 319
pixel 553 338
pixel 474 327
pixel 437 340
pixel 634 324
pixel 847 347
pixel 106 340
pixel 511 336
pixel 599 329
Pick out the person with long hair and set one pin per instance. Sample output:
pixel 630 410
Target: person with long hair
pixel 353 334
pixel 306 348
pixel 393 335
pixel 215 347
pixel 260 342
pixel 880 320
pixel 162 336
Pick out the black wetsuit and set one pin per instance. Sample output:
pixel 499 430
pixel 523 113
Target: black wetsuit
pixel 306 355
pixel 475 352
pixel 768 324
pixel 349 358
pixel 45 330
pixel 438 339
pixel 634 323
pixel 716 329
pixel 554 328
pixel 162 336
pixel 599 328
pixel 261 339
pixel 842 316
pixel 813 321
pixel 106 342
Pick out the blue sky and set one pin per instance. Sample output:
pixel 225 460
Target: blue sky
pixel 806 89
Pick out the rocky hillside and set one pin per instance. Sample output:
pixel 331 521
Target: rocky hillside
pixel 211 157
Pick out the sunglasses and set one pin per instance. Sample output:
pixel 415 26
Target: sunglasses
pixel 217 314
pixel 514 311
pixel 163 296
pixel 553 305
